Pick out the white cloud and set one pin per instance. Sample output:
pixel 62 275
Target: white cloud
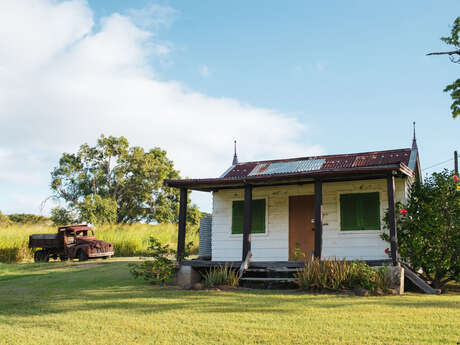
pixel 153 16
pixel 62 83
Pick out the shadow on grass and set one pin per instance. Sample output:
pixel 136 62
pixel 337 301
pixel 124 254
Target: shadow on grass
pixel 109 287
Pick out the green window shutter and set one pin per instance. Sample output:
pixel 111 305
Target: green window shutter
pixel 237 217
pixel 370 211
pixel 360 211
pixel 348 212
pixel 258 216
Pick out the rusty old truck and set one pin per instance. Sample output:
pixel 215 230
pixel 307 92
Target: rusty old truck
pixel 70 242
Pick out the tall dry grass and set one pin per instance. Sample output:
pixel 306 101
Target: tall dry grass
pixel 128 240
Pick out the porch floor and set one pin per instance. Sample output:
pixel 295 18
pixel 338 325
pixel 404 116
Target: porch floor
pixel 198 263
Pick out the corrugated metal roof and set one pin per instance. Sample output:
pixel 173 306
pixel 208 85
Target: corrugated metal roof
pixel 287 167
pixel 355 160
pixel 367 162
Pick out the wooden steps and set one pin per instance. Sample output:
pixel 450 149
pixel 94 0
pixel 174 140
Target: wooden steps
pixel 280 270
pixel 275 279
pixel 276 276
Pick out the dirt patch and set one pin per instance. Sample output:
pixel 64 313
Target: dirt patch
pixel 87 265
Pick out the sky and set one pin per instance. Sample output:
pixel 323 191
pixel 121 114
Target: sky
pixel 284 79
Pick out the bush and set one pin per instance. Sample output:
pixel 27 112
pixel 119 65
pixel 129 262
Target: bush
pixel 221 275
pixel 158 270
pixel 336 275
pixel 428 228
pixel 162 267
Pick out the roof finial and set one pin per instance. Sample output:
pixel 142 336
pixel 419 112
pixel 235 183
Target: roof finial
pixel 414 140
pixel 235 157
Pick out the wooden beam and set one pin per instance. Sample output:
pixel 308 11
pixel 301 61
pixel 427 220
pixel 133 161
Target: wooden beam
pixel 182 224
pixel 216 188
pixel 392 219
pixel 318 218
pixel 247 221
pixel 419 282
pixel 245 264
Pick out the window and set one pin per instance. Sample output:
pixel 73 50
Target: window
pixel 360 211
pixel 258 216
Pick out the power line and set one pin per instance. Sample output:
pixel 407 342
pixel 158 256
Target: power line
pixel 437 164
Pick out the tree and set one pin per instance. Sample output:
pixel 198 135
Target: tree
pixel 113 182
pixel 97 210
pixel 429 229
pixel 27 218
pixel 61 216
pixel 454 55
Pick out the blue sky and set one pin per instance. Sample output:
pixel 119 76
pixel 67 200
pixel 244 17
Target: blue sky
pixel 355 72
pixel 284 79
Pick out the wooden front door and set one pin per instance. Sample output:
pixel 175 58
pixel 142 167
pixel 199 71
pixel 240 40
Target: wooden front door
pixel 301 234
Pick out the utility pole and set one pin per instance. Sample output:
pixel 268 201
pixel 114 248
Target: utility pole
pixel 456 162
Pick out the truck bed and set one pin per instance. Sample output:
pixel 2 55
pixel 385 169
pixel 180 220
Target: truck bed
pixel 44 241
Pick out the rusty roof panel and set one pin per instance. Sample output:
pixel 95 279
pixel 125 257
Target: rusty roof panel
pixel 318 163
pixel 241 170
pixel 287 167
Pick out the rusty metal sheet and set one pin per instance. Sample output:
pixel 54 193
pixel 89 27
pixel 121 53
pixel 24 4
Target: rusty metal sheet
pixel 318 163
pixel 287 167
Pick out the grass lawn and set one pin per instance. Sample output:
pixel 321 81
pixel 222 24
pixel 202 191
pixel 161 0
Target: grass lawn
pixel 99 303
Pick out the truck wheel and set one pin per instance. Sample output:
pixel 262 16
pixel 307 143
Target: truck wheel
pixel 41 256
pixel 38 256
pixel 82 256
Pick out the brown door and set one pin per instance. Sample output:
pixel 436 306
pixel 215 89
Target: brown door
pixel 301 234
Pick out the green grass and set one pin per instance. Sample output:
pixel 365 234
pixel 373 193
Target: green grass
pixel 74 303
pixel 129 240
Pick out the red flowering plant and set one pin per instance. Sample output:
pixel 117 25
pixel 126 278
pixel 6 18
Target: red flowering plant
pixel 403 211
pixel 456 179
pixel 428 229
pixel 387 251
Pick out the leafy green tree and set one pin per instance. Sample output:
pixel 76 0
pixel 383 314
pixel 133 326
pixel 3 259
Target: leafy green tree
pixel 61 216
pixel 97 210
pixel 454 55
pixel 27 218
pixel 112 173
pixel 429 228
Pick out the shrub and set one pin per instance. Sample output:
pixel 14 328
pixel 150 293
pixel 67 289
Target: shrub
pixel 335 275
pixel 428 228
pixel 158 270
pixel 221 275
pixel 367 277
pixel 162 267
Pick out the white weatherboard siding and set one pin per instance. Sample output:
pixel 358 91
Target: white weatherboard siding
pixel 274 244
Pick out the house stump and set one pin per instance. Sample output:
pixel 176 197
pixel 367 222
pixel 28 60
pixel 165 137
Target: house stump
pixel 186 277
pixel 396 276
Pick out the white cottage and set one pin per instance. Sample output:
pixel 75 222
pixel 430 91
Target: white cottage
pixel 289 210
